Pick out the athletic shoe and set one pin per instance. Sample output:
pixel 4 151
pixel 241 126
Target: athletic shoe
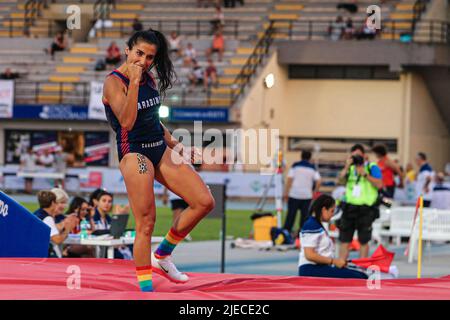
pixel 167 269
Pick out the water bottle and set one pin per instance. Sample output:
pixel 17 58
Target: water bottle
pixel 84 227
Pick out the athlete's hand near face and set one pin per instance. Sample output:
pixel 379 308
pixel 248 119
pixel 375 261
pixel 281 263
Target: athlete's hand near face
pixel 134 72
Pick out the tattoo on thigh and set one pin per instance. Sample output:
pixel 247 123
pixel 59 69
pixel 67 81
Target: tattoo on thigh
pixel 142 164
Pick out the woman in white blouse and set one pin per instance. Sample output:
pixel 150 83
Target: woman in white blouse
pixel 317 248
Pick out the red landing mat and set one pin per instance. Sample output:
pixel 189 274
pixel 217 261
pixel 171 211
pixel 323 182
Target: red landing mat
pixel 115 279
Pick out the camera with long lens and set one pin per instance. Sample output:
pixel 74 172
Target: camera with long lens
pixel 358 160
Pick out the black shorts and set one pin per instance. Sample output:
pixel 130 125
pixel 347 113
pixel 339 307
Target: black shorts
pixel 152 150
pixel 178 204
pixel 358 218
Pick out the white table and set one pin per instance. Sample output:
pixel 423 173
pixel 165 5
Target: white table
pixel 107 242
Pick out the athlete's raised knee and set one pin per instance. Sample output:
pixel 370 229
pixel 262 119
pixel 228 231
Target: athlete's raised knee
pixel 206 203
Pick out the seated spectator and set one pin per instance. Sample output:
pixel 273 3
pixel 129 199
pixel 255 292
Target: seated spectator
pixel 46 158
pixel 137 25
pixel 218 46
pixel 101 218
pixel 58 231
pixel 102 221
pixel 349 30
pixel 441 193
pixel 210 76
pixel 366 31
pixel 317 248
pixel 175 44
pixel 9 75
pixel 185 70
pixel 58 44
pixel 62 200
pixel 218 20
pixel 197 74
pixel 190 52
pixel 113 55
pixel 336 30
pixel 80 207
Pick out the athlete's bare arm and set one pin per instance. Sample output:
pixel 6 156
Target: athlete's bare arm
pixel 124 103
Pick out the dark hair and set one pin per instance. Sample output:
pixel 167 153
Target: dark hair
pixel 104 193
pixel 45 198
pixel 323 201
pixel 162 62
pixel 94 195
pixel 306 155
pixel 380 149
pixel 75 205
pixel 358 147
pixel 422 155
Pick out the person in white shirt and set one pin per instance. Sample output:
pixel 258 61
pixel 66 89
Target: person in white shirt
pixel 303 179
pixel 441 193
pixel 58 231
pixel 175 44
pixel 190 52
pixel 28 164
pixel 424 179
pixel 317 249
pixel 46 159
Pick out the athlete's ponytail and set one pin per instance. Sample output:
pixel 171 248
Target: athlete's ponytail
pixel 162 62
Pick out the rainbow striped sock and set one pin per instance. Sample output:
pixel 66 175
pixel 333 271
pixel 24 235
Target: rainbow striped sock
pixel 144 276
pixel 169 243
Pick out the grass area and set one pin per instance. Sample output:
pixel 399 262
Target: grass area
pixel 238 224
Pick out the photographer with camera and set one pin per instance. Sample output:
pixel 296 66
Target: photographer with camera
pixel 360 209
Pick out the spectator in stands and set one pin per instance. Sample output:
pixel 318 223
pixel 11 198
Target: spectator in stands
pixel 360 209
pixel 366 31
pixel 317 249
pixel 197 74
pixel 218 20
pixel 190 52
pixel 210 76
pixel 113 55
pixel 80 207
pixel 58 231
pixel 349 30
pixel 62 199
pixel 424 183
pixel 46 158
pixel 336 29
pixel 175 44
pixel 218 46
pixel 137 25
pixel 388 170
pixel 185 71
pixel 28 162
pixel 9 75
pixel 58 44
pixel 302 181
pixel 441 193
